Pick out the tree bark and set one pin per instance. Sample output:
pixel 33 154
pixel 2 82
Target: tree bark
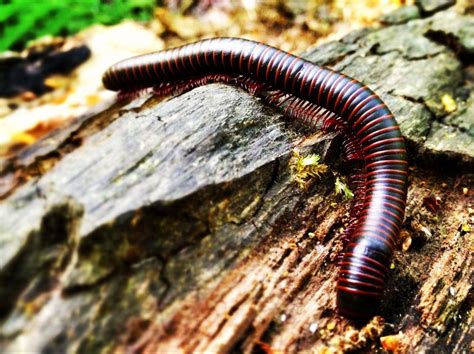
pixel 174 225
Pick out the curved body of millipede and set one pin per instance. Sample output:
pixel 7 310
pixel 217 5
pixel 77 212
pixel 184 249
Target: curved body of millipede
pixel 311 94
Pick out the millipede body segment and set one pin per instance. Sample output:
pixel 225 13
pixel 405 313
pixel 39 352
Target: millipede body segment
pixel 369 127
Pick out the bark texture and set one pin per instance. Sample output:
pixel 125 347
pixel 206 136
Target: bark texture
pixel 174 226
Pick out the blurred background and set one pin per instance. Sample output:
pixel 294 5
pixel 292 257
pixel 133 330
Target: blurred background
pixel 279 21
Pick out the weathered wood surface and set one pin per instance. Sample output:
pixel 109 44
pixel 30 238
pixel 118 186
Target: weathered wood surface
pixel 174 226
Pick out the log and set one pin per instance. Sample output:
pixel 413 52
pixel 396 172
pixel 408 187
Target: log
pixel 175 225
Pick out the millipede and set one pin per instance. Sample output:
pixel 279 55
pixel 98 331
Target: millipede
pixel 317 97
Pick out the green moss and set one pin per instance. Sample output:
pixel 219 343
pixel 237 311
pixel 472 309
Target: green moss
pixel 342 188
pixel 303 168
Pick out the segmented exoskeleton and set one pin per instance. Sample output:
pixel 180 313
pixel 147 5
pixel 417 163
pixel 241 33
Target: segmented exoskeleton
pixel 317 96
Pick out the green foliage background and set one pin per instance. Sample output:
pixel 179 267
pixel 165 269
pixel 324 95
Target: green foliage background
pixel 24 20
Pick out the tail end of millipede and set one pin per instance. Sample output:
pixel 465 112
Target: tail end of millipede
pixel 356 307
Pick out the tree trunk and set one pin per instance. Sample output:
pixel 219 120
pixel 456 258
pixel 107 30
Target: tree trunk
pixel 175 225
